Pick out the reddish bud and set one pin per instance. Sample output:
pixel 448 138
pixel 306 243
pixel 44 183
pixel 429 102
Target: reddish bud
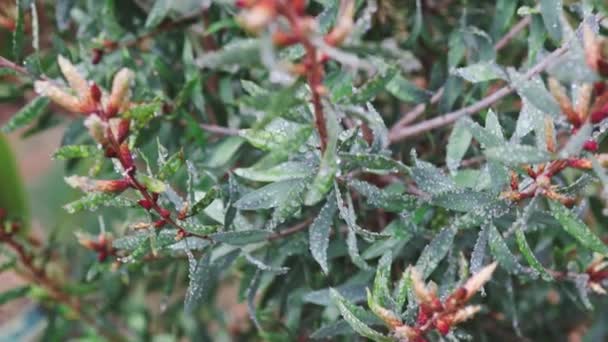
pixel 244 3
pixel 126 159
pixel 167 108
pixel 160 223
pixel 590 145
pixel 110 152
pixel 599 115
pixel 144 203
pixel 514 183
pixel 460 294
pixel 580 164
pixel 423 315
pixel 442 326
pixel 8 23
pixel 96 56
pixel 123 130
pixel 180 235
pixel 602 66
pixel 281 38
pixel 109 44
pixel 111 111
pixel 164 212
pixel 299 6
pixel 599 88
pixel 531 172
pixel 15 227
pixel 95 92
pixel 436 305
pixel 102 256
pixel 118 185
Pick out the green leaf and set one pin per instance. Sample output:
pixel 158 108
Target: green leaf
pixel 319 230
pixel 551 11
pixel 269 196
pixel 383 277
pixel 534 91
pixel 416 26
pixel 14 293
pixel 406 91
pixel 237 53
pixel 462 200
pixel 347 213
pixel 280 172
pixel 332 330
pixel 429 178
pixel 481 72
pixel 486 137
pixel 142 114
pixel 199 282
pixel 273 136
pixel 171 166
pixel 12 196
pixel 200 229
pixel 153 184
pixel 75 151
pixel 371 163
pixel 289 205
pixel 376 124
pixel 242 237
pixel 513 154
pixel 158 12
pixel 353 291
pixel 282 153
pixel 93 201
pixel 360 327
pixel 353 250
pixel 380 198
pixel 328 167
pixel 577 228
pixel 435 251
pixel 575 143
pixel 458 144
pixel 224 151
pixel 19 31
pixel 205 201
pixel 263 266
pixel 373 86
pixel 501 252
pixel 528 254
pixel 8 72
pixel 26 115
pixel 130 242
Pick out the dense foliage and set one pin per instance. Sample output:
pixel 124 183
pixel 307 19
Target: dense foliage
pixel 387 170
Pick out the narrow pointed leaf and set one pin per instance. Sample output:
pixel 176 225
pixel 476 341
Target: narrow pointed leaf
pixel 319 230
pixel 577 228
pixel 360 327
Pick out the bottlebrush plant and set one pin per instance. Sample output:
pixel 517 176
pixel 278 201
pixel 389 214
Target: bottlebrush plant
pixel 310 170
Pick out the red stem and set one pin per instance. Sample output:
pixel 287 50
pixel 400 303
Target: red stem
pixel 314 76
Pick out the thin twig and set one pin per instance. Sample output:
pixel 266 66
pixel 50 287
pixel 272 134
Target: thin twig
pixel 314 76
pixel 38 275
pixel 418 110
pixel 220 130
pixel 514 31
pixel 5 63
pixel 290 231
pixel 163 27
pixel 401 133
